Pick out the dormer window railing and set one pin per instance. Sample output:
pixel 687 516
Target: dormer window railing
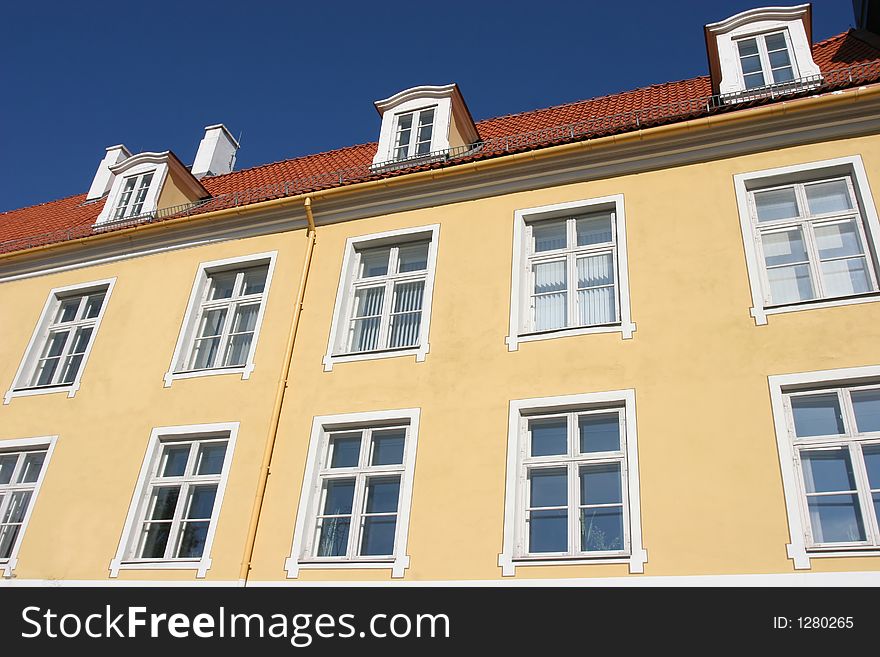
pixel 405 147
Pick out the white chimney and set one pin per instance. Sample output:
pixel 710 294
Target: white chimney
pixel 216 154
pixel 103 176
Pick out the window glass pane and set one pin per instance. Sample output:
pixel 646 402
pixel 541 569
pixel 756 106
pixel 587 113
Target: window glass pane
pixel 212 322
pixel 378 536
pixel 831 196
pixel 222 285
pixel 17 508
pixel 374 262
pixel 784 247
pixel 594 229
pixel 7 465
pixel 842 277
pixel 93 305
pixel 339 496
pixel 872 465
pixel 775 41
pixel 754 80
pixel 779 59
pixel 333 541
pixel 549 235
pixel 866 404
pixel 817 415
pixel 406 319
pixel 174 460
pixel 345 451
pixel 388 447
pixel 790 284
pixel 382 495
pixel 602 529
pixel 838 240
pixel 548 531
pixel 783 74
pixel 67 310
pixel 550 307
pixel 211 457
pixel 600 484
pixel 238 350
pixel 595 270
pixel 836 519
pixel 751 64
pixel 164 502
pixel 549 436
pixel 747 47
pixel 828 471
pixel 8 534
pixel 204 353
pixel 30 469
pixel 201 502
pixel 192 540
pixel 365 332
pixel 596 303
pixel 549 487
pixel 776 204
pixel 255 280
pixel 155 539
pixel 599 432
pixel 413 257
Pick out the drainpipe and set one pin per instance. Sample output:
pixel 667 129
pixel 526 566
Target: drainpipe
pixel 279 401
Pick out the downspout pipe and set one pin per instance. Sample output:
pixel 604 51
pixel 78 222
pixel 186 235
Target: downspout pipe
pixel 279 400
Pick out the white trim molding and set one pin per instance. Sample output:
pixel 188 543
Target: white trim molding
pixel 121 561
pixel 7 566
pixel 322 425
pixel 511 556
pixel 798 520
pixel 19 387
pixel 745 183
pixel 521 273
pixel 342 307
pixel 188 328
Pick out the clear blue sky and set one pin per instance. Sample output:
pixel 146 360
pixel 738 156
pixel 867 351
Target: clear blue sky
pixel 300 77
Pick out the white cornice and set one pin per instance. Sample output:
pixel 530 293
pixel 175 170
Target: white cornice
pixel 415 93
pixel 758 14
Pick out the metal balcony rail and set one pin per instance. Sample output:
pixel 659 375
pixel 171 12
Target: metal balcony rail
pixel 593 127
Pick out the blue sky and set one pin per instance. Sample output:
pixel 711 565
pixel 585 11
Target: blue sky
pixel 297 78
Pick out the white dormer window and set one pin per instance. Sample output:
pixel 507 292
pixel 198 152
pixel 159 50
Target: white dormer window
pixel 413 135
pixel 139 183
pixel 766 50
pixel 421 123
pixel 134 193
pixel 765 59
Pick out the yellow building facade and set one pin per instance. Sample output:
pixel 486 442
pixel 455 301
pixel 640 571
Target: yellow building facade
pixel 640 355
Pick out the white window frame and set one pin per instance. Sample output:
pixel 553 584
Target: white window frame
pixel 138 188
pixel 189 325
pixel 19 445
pixel 322 426
pixel 744 183
pixel 158 436
pixel 800 550
pixel 344 295
pixel 766 69
pixel 520 291
pixel 20 383
pixel 512 556
pixel 413 142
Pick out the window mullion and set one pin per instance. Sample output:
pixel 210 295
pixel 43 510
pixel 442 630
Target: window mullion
pixel 176 521
pixel 815 262
pixel 62 357
pixel 225 330
pixel 358 503
pixel 863 486
pixel 385 318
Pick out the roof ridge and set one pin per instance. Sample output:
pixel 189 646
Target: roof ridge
pixel 594 98
pixel 292 159
pixel 36 205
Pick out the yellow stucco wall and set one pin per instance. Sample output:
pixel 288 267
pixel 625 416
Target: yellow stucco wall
pixel 711 491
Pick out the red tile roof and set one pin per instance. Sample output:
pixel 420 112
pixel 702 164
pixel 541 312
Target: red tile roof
pixel 71 217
